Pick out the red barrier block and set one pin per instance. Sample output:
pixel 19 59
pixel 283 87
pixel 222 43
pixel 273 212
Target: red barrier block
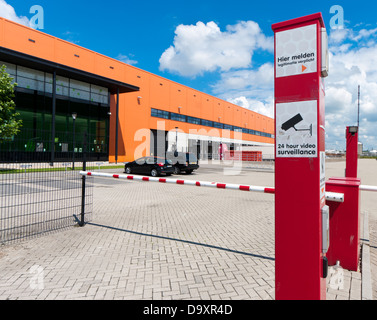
pixel 344 223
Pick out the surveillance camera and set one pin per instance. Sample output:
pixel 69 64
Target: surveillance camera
pixel 292 122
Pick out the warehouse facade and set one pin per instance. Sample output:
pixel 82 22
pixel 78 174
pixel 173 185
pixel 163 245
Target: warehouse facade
pixel 71 99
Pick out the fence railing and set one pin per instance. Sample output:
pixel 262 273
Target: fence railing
pixel 37 198
pixel 42 196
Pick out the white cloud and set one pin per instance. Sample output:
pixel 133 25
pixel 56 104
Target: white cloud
pixel 353 62
pixel 249 88
pixel 126 59
pixel 338 100
pixel 205 48
pixel 71 37
pixel 337 35
pixel 8 12
pixel 261 78
pixel 265 107
pixel 364 33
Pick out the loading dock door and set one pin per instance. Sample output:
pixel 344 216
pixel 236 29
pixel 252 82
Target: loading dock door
pixel 159 145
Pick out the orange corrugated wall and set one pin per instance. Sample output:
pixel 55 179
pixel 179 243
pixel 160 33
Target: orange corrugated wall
pixel 134 113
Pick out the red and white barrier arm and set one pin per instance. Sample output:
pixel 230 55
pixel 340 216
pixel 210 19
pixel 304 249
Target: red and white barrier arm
pixel 368 188
pixel 330 196
pixel 182 182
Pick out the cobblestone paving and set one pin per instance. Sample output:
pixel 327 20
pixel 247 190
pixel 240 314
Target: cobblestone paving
pixel 152 241
pixel 161 241
pixel 373 255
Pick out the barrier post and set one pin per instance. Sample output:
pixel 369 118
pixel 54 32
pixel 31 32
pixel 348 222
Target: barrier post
pixel 351 151
pixel 345 217
pixel 344 223
pixel 300 65
pixel 82 220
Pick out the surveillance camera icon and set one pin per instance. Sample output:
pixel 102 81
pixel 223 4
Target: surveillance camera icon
pixel 291 123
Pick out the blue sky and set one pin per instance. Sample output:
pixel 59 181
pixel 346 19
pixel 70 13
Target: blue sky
pixel 224 48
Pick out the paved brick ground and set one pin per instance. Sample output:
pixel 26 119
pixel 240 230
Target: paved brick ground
pixel 159 241
pixel 152 241
pixel 373 256
pixel 367 171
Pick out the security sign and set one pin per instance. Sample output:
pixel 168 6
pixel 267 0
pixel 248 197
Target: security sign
pixel 296 129
pixel 299 145
pixel 296 51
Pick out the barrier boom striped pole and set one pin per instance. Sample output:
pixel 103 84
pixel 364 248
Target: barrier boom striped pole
pixel 330 196
pixel 182 182
pixel 368 188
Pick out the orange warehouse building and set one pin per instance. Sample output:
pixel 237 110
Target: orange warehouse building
pixel 64 91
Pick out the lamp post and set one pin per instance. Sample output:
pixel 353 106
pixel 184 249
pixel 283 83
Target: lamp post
pixel 74 116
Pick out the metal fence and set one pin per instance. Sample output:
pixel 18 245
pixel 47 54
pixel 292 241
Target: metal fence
pixel 40 197
pixel 37 198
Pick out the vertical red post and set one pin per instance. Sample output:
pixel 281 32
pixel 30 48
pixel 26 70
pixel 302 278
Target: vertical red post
pixel 352 151
pixel 345 217
pixel 345 223
pixel 299 158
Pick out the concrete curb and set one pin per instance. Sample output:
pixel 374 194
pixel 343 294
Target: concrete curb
pixel 366 277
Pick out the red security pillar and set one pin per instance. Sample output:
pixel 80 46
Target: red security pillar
pixel 300 263
pixel 352 151
pixel 344 223
pixel 345 217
